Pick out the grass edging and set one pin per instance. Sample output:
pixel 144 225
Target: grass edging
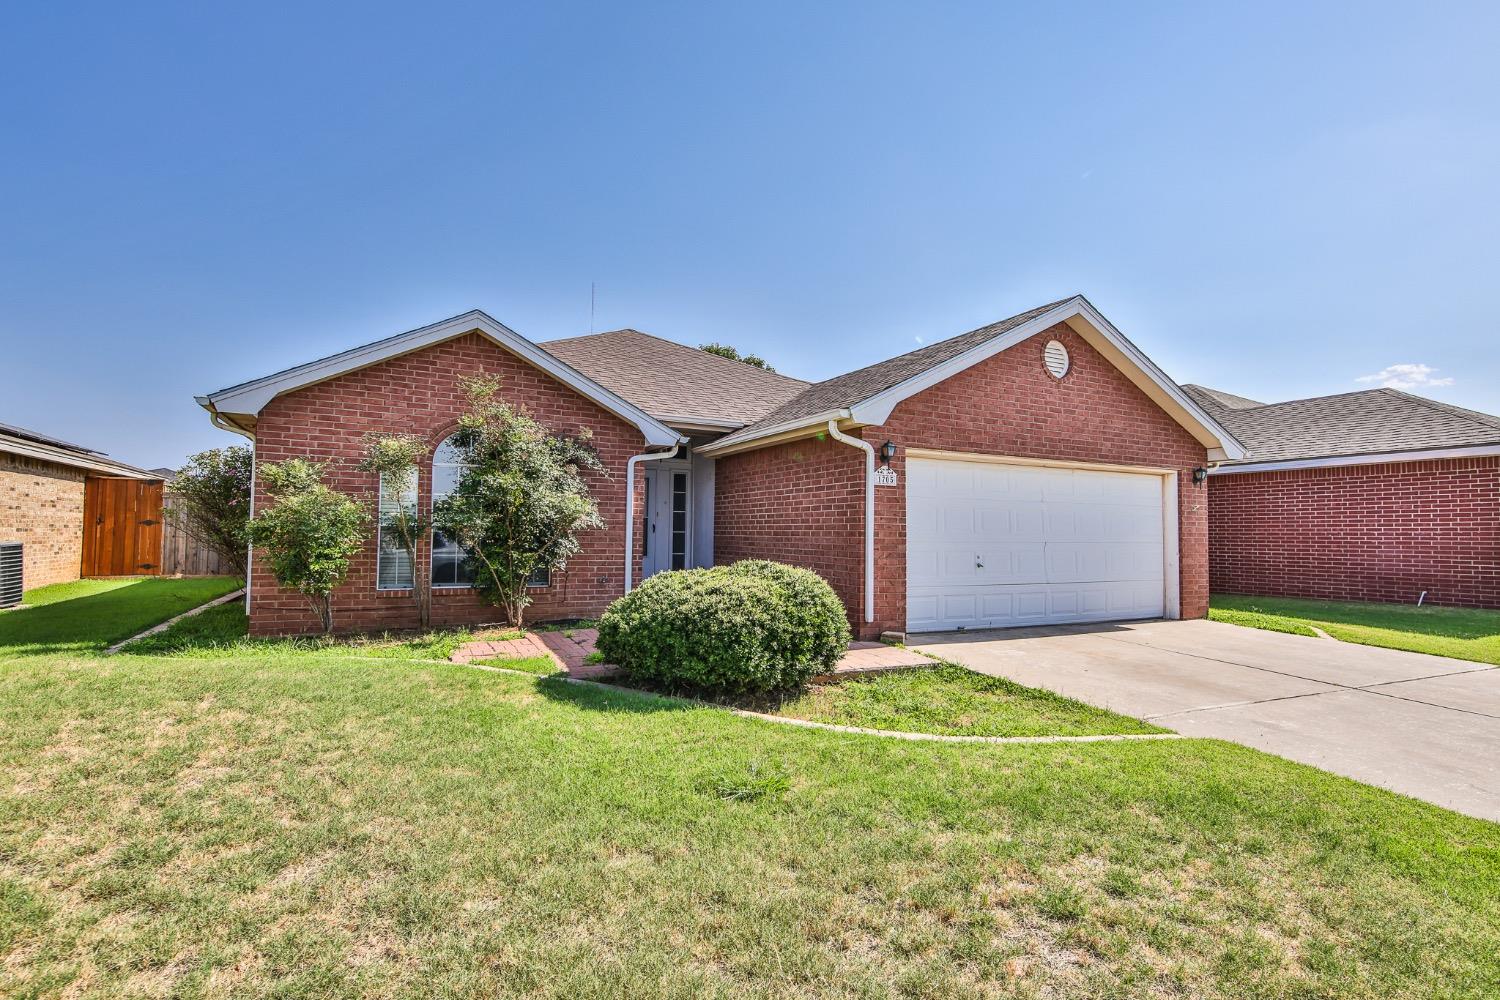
pixel 834 727
pixel 163 626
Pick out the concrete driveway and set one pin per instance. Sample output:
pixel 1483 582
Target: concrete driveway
pixel 1426 726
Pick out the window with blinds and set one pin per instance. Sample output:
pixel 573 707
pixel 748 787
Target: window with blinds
pixel 393 568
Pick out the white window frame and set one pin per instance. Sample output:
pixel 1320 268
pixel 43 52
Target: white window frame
pixel 380 536
pixel 432 547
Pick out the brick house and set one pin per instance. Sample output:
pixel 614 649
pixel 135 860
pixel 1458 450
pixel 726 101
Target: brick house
pixel 42 485
pixel 1376 495
pixel 1037 470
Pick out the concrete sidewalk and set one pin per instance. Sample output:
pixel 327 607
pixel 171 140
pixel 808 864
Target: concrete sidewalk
pixel 1426 726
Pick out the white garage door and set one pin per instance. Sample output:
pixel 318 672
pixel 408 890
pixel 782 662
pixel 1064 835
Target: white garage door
pixel 990 545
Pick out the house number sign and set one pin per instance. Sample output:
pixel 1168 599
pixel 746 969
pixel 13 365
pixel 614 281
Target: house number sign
pixel 885 476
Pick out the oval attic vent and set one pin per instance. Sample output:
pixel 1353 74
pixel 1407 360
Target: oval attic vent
pixel 1055 357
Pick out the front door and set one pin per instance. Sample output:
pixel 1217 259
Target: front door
pixel 668 538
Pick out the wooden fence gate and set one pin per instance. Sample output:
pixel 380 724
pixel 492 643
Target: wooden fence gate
pixel 121 526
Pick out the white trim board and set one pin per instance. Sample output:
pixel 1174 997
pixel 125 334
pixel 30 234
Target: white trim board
pixel 1374 458
pixel 249 398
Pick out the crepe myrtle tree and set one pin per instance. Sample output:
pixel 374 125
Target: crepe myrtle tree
pixel 212 492
pixel 394 457
pixel 310 534
pixel 521 500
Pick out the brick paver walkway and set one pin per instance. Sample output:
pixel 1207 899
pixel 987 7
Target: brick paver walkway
pixel 492 649
pixel 569 650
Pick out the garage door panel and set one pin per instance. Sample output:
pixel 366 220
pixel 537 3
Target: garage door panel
pixel 956 520
pixel 1131 524
pixel 1016 563
pixel 1057 484
pixel 921 480
pixel 993 545
pixel 955 482
pixel 1080 562
pixel 1029 604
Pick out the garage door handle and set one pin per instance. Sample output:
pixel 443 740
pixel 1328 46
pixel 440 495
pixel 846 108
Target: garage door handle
pixel 978 563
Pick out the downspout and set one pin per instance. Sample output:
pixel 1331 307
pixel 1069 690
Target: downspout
pixel 222 423
pixel 869 450
pixel 653 456
pixel 250 546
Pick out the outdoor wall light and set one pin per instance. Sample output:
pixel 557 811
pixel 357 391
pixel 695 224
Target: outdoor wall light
pixel 887 452
pixel 1199 474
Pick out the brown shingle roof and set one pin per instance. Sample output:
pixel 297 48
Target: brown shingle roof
pixel 843 391
pixel 667 379
pixel 1371 421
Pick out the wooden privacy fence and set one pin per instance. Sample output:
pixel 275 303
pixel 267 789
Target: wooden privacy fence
pixel 131 529
pixel 183 553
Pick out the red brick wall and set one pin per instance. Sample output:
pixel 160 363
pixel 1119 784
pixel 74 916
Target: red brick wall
pixel 800 503
pixel 1007 405
pixel 1360 533
pixel 419 393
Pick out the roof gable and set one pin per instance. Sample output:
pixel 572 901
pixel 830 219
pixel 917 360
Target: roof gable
pixel 239 404
pixel 675 383
pixel 868 395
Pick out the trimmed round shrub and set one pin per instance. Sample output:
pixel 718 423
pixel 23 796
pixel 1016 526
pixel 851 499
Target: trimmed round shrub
pixel 749 628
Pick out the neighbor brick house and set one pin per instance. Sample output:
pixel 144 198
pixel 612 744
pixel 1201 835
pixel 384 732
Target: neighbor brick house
pixel 1376 495
pixel 1037 470
pixel 42 486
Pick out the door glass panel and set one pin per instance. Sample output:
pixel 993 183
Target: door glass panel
pixel 679 520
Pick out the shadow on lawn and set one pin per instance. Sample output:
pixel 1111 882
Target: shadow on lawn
pixel 603 697
pixel 91 622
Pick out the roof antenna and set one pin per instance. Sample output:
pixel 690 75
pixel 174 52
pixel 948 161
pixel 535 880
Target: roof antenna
pixel 591 308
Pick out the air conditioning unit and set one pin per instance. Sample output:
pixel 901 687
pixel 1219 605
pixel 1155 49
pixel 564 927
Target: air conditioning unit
pixel 10 574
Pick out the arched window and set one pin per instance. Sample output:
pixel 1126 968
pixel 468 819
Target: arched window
pixel 450 563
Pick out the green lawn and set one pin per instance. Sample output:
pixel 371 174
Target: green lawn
pixel 1464 633
pixel 951 700
pixel 539 665
pixel 92 614
pixel 341 819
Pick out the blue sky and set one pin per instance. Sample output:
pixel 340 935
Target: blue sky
pixel 1275 201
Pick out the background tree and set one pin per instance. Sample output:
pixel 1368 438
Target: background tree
pixel 521 500
pixel 725 351
pixel 310 534
pixel 394 458
pixel 212 491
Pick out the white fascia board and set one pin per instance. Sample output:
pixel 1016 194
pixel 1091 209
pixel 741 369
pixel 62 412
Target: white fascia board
pixel 877 409
pixel 1374 458
pixel 251 397
pixel 72 459
pixel 762 437
pixel 686 423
